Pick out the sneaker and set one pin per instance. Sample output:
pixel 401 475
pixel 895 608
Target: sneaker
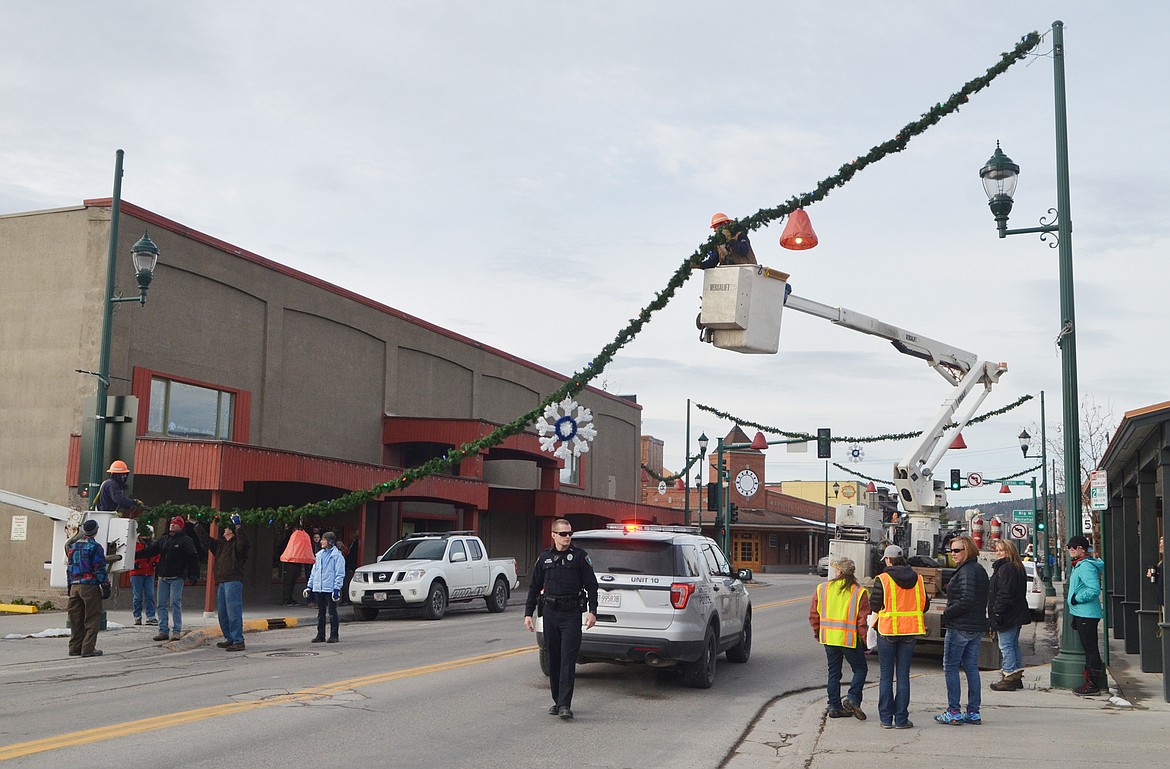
pixel 161 637
pixel 176 636
pixel 1087 689
pixel 152 621
pixel 854 708
pixel 837 713
pixel 908 725
pixel 138 620
pixel 951 718
pixel 886 726
pixel 973 718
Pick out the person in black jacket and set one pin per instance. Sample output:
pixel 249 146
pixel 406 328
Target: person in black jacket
pixel 178 561
pixel 1007 610
pixel 563 582
pixel 965 620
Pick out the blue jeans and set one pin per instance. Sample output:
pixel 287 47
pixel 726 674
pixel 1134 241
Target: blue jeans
pixel 1009 646
pixel 894 656
pixel 143 587
pixel 229 600
pixel 857 663
pixel 170 600
pixel 961 650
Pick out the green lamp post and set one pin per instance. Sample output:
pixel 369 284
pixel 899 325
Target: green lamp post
pixel 999 177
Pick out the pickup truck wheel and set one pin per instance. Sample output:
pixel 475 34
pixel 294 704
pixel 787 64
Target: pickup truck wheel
pixel 436 604
pixel 497 600
pixel 700 674
pixel 742 650
pixel 365 613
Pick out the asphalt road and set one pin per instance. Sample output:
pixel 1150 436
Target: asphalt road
pixel 398 692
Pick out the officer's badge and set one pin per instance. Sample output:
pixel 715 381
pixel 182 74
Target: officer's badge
pixel 569 556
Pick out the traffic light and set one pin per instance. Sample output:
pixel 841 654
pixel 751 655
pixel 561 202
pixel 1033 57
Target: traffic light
pixel 733 512
pixel 956 480
pixel 719 522
pixel 1041 524
pixel 824 443
pixel 712 497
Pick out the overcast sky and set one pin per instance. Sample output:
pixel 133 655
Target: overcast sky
pixel 530 174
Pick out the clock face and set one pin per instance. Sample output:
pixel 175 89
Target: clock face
pixel 746 483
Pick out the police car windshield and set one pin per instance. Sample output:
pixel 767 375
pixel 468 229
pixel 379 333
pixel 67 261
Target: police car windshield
pixel 628 556
pixel 416 550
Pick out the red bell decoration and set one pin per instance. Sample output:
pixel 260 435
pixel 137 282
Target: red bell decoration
pixel 299 549
pixel 871 489
pixel 760 443
pixel 958 442
pixel 680 484
pixel 798 233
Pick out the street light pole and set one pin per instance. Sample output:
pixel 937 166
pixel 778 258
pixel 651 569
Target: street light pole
pixel 145 257
pixel 999 175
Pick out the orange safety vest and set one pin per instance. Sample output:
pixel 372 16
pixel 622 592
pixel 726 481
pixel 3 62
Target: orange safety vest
pixel 838 610
pixel 902 608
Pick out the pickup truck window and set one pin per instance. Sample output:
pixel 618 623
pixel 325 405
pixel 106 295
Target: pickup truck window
pixel 628 556
pixel 476 550
pixel 458 552
pixel 420 549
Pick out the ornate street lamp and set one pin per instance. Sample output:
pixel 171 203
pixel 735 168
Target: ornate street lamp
pixel 999 177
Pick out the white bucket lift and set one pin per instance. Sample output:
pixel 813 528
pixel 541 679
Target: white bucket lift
pixel 742 306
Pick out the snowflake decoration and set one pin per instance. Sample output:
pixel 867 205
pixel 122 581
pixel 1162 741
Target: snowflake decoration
pixel 856 453
pixel 569 425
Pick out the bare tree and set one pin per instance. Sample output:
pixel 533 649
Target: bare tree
pixel 1097 427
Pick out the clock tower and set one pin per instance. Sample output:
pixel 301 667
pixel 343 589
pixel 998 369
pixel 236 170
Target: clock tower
pixel 746 468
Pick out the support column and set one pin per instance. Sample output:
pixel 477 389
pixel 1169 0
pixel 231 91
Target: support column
pixel 1147 555
pixel 1129 567
pixel 1164 626
pixel 1117 562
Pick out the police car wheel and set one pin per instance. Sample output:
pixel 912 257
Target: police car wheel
pixel 742 650
pixel 544 661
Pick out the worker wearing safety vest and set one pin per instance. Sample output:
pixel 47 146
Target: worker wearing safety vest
pixel 899 600
pixel 839 617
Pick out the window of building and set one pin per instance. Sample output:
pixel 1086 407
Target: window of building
pixel 571 472
pixel 183 410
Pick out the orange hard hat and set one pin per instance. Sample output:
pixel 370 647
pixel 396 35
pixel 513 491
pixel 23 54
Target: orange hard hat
pixel 718 219
pixel 118 466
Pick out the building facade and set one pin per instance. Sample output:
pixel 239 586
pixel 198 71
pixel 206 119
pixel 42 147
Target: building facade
pixel 254 385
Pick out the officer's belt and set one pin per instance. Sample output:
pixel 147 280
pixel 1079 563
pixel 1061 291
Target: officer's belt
pixel 562 602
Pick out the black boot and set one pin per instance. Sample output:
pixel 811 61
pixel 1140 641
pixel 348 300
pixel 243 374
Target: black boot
pixel 1089 687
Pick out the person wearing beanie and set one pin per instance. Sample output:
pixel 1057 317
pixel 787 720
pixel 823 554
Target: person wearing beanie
pixel 839 616
pixel 88 584
pixel 899 599
pixel 325 582
pixel 142 577
pixel 178 561
pixel 1084 606
pixel 230 549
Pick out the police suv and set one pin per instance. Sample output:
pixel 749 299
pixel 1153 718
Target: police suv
pixel 667 597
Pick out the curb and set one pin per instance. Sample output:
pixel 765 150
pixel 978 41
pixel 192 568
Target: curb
pixel 202 635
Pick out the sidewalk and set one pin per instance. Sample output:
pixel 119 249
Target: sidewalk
pixel 21 645
pixel 1038 725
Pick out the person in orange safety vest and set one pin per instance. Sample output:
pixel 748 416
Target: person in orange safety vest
pixel 899 599
pixel 839 617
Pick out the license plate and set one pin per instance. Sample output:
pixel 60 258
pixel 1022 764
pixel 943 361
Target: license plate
pixel 379 596
pixel 611 600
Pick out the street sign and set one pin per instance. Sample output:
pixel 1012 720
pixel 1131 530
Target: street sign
pixel 1087 524
pixel 1015 483
pixel 1098 490
pixel 974 479
pixel 1019 531
pixel 1024 516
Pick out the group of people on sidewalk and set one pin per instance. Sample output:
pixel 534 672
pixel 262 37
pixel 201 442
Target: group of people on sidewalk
pixel 840 616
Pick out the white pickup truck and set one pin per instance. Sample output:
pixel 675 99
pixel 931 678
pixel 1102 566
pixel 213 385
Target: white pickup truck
pixel 430 570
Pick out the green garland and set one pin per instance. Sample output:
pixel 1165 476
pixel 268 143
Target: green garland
pixel 672 478
pixel 347 502
pixel 1010 477
pixel 852 439
pixel 859 475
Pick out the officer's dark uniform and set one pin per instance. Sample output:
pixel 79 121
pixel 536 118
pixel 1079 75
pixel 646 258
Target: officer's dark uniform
pixel 562 575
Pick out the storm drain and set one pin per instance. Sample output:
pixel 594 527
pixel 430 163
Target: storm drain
pixel 292 654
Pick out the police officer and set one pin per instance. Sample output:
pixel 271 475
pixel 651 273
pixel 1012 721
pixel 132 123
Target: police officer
pixel 562 572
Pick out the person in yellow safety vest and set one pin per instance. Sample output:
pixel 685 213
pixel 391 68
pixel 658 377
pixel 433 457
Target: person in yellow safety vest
pixel 899 599
pixel 839 616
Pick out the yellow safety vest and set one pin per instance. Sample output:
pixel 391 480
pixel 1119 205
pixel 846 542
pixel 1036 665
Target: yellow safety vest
pixel 838 609
pixel 902 608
